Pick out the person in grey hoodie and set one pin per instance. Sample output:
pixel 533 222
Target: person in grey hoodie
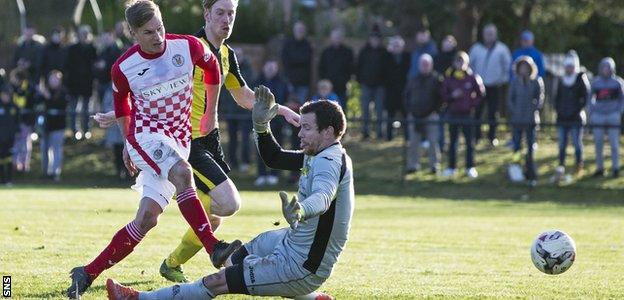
pixel 525 99
pixel 490 59
pixel 605 109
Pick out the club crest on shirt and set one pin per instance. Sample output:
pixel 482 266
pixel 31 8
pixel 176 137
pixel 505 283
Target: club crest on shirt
pixel 177 60
pixel 158 154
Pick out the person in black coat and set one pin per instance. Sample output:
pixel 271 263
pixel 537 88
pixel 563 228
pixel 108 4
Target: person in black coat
pixel 108 53
pixel 238 120
pixel 27 55
pixel 297 62
pixel 371 75
pixel 442 62
pixel 54 53
pixel 571 98
pixel 79 79
pixel 336 65
pixel 444 59
pixel 396 77
pixel 54 99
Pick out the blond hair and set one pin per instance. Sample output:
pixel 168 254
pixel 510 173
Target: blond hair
pixel 207 4
pixel 139 12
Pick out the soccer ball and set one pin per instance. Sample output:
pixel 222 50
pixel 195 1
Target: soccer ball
pixel 553 252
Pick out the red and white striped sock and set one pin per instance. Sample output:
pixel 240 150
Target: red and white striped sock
pixel 120 246
pixel 194 213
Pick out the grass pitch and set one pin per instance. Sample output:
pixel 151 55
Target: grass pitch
pixel 399 247
pixel 422 237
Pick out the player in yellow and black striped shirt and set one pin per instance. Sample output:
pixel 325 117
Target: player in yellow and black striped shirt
pixel 217 192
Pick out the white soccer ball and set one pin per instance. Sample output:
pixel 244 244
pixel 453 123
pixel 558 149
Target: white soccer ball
pixel 553 252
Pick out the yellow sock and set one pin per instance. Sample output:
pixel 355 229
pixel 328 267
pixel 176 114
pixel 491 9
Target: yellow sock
pixel 188 247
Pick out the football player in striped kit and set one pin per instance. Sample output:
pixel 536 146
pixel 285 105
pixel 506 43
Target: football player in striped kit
pixel 152 89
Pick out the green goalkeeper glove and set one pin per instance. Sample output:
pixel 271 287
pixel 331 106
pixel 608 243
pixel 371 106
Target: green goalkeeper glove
pixel 264 109
pixel 292 210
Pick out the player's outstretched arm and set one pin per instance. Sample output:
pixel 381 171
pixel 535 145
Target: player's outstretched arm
pixel 246 98
pixel 263 111
pixel 124 126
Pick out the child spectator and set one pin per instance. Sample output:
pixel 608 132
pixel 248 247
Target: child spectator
pixel 525 99
pixel 325 90
pixel 54 100
pixel 462 90
pixel 8 123
pixel 24 99
pixel 605 110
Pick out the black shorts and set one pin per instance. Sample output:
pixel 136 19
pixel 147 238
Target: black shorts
pixel 208 162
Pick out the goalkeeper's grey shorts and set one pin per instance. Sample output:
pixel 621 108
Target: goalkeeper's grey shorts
pixel 261 268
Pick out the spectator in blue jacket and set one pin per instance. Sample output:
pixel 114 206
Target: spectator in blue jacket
pixel 424 44
pixel 325 91
pixel 527 48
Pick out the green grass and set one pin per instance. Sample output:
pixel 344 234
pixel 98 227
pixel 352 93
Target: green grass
pixel 414 237
pixel 399 247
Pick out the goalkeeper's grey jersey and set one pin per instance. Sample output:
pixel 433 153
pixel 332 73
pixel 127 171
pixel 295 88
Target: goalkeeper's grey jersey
pixel 327 197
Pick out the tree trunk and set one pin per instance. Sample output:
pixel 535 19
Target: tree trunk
pixel 527 9
pixel 465 28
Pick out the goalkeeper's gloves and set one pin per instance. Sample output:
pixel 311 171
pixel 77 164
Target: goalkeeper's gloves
pixel 292 210
pixel 264 109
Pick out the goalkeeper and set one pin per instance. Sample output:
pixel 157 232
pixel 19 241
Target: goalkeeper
pixel 293 261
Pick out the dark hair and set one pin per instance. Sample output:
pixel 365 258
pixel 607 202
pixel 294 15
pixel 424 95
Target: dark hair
pixel 328 113
pixel 140 12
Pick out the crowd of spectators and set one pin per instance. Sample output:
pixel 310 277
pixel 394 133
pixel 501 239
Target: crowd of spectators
pixel 54 84
pixel 434 91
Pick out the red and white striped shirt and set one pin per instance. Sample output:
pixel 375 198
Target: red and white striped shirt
pixel 156 90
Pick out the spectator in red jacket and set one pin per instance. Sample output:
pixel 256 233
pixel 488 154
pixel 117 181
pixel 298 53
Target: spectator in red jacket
pixel 462 90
